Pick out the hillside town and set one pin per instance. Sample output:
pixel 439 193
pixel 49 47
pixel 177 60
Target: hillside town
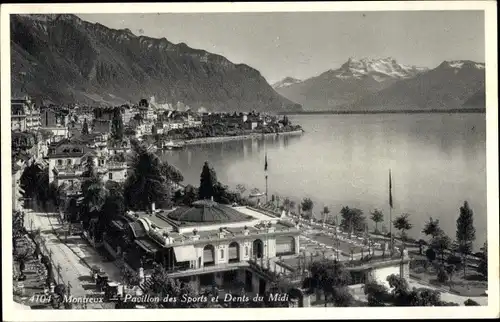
pixel 89 189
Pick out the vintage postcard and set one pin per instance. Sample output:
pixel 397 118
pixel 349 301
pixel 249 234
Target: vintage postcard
pixel 291 160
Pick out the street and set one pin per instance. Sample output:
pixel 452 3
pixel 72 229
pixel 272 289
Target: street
pixel 74 257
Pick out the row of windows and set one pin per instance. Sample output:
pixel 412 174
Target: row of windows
pixel 222 252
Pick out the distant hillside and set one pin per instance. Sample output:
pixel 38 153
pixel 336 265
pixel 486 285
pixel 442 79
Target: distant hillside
pixel 64 59
pixel 334 89
pixel 477 100
pixel 447 86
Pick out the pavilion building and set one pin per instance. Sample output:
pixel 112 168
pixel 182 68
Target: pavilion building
pixel 204 244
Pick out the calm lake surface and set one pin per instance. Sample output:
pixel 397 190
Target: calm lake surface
pixel 437 162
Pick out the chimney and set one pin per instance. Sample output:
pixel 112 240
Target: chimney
pixel 153 207
pixel 212 198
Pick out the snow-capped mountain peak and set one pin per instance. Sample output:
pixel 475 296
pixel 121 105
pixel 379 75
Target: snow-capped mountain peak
pixel 379 69
pixel 287 81
pixel 460 64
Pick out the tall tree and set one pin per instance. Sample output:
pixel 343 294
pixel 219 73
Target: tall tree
pixel 146 183
pixel 352 219
pixel 117 130
pixel 307 207
pixel 208 181
pixel 377 217
pixel 402 223
pixel 85 127
pixel 93 191
pixel 466 233
pixel 114 204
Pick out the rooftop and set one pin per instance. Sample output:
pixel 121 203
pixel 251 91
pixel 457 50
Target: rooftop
pixel 207 211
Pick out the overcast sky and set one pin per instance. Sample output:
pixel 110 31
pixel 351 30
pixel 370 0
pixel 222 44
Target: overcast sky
pixel 305 44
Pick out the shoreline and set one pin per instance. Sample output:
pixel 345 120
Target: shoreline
pixel 218 139
pixel 363 112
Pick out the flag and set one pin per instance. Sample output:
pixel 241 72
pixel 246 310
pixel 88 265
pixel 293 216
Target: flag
pixel 390 189
pixel 265 163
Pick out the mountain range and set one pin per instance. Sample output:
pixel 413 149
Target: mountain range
pixel 64 59
pixel 384 84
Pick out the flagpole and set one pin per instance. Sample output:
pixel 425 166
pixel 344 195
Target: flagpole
pixel 266 188
pixel 390 212
pixel 265 171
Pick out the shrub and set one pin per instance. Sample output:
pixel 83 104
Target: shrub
pixel 430 254
pixel 470 302
pixel 442 275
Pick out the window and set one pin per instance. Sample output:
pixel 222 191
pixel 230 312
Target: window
pixel 246 250
pixel 59 162
pixel 222 254
pixel 110 176
pixel 69 161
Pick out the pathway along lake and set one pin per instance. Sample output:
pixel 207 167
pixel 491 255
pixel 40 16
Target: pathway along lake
pixel 437 162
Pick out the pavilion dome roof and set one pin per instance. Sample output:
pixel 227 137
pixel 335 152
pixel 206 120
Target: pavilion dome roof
pixel 207 211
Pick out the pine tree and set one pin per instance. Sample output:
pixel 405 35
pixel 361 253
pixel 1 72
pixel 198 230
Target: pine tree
pixel 208 180
pixel 466 233
pixel 117 125
pixel 85 127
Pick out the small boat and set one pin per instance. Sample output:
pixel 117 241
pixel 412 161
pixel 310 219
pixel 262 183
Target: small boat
pixel 170 145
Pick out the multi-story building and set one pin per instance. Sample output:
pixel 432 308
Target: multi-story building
pixel 66 156
pixel 205 243
pixel 128 114
pixel 55 121
pixel 25 116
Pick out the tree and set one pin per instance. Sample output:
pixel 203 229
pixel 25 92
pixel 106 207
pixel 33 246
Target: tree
pixel 376 294
pixel 162 285
pixel 483 264
pixel 432 228
pixel 117 130
pixel 402 223
pixel 330 277
pixel 85 127
pixel 146 183
pixel 307 206
pixel 377 217
pixel 114 204
pixel 441 244
pixel 325 212
pixel 208 180
pixel 442 275
pixel 171 173
pixel 241 188
pixel 352 219
pixel 190 195
pixel 466 233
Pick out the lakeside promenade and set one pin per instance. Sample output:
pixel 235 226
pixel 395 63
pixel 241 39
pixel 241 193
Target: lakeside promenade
pixel 238 137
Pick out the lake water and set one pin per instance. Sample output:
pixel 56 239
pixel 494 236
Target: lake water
pixel 437 160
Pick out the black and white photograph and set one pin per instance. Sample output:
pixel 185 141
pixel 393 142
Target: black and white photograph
pixel 309 161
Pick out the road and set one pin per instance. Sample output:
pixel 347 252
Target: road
pixel 74 256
